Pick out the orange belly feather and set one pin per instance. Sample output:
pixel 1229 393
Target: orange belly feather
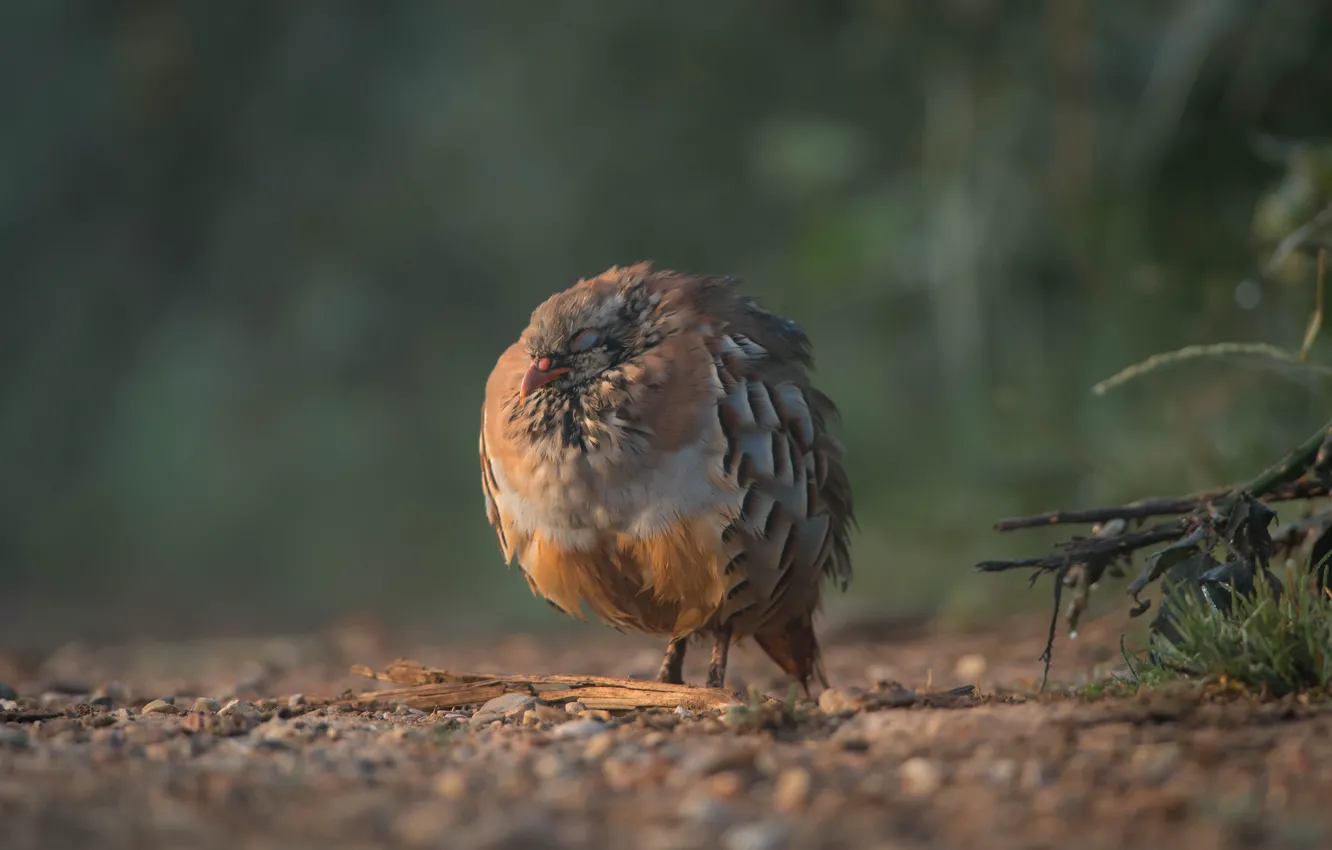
pixel 669 583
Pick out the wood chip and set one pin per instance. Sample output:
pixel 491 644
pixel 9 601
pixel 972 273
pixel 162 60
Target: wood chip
pixel 430 688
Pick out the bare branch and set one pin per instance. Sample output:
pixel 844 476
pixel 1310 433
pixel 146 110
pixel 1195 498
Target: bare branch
pixel 1084 549
pixel 1147 508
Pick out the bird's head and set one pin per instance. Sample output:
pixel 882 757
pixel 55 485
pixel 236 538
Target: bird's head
pixel 582 332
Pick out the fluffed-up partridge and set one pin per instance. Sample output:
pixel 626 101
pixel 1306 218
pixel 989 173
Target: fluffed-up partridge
pixel 652 449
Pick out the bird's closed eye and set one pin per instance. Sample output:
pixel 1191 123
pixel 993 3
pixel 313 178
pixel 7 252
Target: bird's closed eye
pixel 584 340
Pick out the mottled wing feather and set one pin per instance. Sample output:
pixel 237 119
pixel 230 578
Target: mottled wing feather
pixel 791 532
pixel 811 412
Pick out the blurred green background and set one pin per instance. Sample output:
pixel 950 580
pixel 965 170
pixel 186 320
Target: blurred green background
pixel 259 257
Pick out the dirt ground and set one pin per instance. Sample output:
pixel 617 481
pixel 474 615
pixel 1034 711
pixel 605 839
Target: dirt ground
pixel 996 770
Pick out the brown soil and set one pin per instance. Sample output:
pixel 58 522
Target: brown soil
pixel 1168 768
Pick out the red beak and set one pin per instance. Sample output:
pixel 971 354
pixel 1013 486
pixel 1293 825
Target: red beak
pixel 538 375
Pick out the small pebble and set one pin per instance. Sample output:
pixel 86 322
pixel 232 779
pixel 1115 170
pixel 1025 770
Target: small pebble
pixel 739 714
pixel 13 737
pixel 1002 771
pixel 160 706
pixel 195 722
pixel 509 705
pixel 8 705
pixel 681 711
pixel 53 700
pixel 757 836
pixel 706 811
pixel 530 718
pixel 240 708
pixel 710 760
pixel 841 700
pixel 485 718
pixel 580 729
pixel 598 746
pixel 552 765
pixel 549 713
pixel 575 707
pixel 970 666
pixel 1034 775
pixel 728 783
pixel 921 776
pixel 296 701
pixel 451 784
pixel 111 692
pixel 207 704
pixel 792 791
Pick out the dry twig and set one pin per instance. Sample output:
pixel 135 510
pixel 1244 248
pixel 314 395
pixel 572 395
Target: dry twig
pixel 431 688
pixel 1147 508
pixel 1193 352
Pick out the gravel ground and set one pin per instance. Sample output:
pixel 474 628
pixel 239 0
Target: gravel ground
pixel 223 744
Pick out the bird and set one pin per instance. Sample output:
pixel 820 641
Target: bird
pixel 653 452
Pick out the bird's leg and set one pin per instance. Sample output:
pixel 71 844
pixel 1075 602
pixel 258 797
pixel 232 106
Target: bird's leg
pixel 721 642
pixel 672 666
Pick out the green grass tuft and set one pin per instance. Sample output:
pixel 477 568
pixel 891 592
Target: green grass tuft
pixel 1274 642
